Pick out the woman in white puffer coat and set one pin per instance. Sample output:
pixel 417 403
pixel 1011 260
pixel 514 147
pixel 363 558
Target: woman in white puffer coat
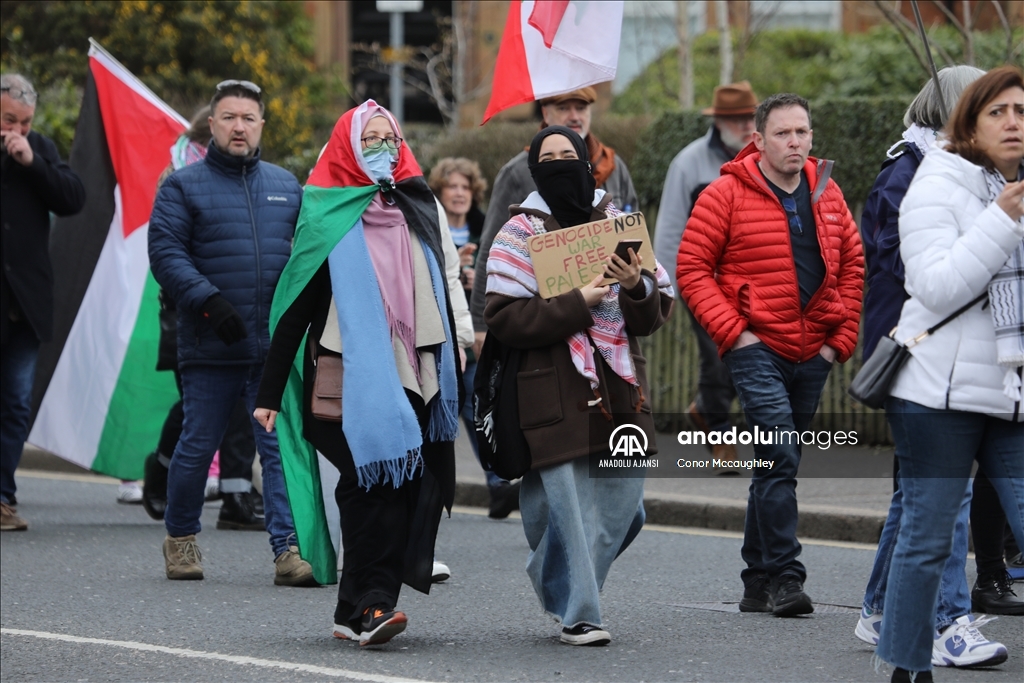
pixel 958 399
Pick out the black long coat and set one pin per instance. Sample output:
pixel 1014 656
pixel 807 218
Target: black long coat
pixel 28 194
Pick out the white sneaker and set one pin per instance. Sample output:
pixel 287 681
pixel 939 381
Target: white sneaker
pixel 129 493
pixel 440 573
pixel 212 488
pixel 869 626
pixel 962 645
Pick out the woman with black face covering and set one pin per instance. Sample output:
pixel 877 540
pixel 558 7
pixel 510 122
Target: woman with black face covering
pixel 580 364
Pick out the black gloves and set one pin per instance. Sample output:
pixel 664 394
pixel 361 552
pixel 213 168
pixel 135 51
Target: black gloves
pixel 224 320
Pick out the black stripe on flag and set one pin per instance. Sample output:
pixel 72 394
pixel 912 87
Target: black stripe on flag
pixel 76 241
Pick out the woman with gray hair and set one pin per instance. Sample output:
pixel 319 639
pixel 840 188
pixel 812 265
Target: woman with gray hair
pixel 883 302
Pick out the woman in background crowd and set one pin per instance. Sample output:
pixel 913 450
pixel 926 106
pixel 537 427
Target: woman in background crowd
pixel 459 186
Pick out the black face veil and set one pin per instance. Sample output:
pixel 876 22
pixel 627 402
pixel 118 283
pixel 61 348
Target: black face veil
pixel 566 185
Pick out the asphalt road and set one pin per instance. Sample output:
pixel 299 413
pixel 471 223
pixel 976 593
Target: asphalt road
pixel 83 598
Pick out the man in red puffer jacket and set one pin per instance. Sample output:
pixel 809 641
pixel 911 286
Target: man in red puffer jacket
pixel 771 265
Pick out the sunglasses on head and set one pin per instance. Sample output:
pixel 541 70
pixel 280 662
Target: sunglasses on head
pixel 795 226
pixel 248 85
pixel 26 96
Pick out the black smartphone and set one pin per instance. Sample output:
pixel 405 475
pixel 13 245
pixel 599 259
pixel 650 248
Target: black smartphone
pixel 623 247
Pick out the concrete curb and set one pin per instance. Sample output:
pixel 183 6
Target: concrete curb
pixel 832 525
pixel 820 522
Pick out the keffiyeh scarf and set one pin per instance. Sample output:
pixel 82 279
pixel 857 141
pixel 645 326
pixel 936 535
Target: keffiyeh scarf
pixel 1006 296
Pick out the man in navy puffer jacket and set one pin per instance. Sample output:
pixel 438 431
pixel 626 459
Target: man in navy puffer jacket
pixel 219 237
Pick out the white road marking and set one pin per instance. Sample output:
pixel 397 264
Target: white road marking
pixel 217 656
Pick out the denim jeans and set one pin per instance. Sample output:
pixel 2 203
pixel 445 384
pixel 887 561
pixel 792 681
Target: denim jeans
pixel 774 393
pixel 936 450
pixel 209 394
pixel 17 373
pixel 576 525
pixel 954 594
pixel 493 480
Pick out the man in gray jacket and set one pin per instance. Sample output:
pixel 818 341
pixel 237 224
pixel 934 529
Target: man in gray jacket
pixel 514 183
pixel 693 169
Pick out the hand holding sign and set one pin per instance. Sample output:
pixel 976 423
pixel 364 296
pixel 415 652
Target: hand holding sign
pixel 593 292
pixel 569 258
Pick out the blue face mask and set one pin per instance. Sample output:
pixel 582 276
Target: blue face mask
pixel 379 161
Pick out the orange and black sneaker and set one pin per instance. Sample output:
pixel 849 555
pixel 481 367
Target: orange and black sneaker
pixel 380 624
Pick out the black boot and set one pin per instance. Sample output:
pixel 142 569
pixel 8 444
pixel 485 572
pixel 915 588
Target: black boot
pixel 504 499
pixel 257 502
pixel 903 676
pixel 238 514
pixel 154 488
pixel 993 594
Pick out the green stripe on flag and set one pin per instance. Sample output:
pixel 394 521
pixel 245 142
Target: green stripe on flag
pixel 141 399
pixel 326 216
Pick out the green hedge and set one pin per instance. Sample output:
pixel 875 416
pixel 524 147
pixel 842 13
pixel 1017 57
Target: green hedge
pixel 854 132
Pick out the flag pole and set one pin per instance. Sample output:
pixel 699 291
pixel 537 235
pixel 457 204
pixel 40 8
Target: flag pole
pixel 931 61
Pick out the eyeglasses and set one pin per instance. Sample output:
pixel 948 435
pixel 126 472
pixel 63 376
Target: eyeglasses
pixel 374 142
pixel 26 96
pixel 795 226
pixel 248 85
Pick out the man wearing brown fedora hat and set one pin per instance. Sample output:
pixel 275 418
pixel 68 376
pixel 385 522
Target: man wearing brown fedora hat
pixel 693 169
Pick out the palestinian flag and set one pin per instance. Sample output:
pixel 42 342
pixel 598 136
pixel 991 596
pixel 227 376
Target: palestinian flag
pixel 101 402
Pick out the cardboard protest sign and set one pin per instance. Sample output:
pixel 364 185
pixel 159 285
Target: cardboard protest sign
pixel 569 258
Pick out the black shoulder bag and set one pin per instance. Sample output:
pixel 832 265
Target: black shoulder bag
pixel 875 378
pixel 503 447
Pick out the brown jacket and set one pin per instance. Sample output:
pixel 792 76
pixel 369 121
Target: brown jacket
pixel 553 397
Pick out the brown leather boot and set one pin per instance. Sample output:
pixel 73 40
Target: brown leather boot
pixel 183 559
pixel 291 570
pixel 9 519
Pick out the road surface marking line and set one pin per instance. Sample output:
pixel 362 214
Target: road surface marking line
pixel 217 656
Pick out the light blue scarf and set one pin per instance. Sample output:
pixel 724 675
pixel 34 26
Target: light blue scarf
pixel 379 423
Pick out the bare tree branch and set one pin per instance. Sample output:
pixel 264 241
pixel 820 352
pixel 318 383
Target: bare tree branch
pixel 899 22
pixel 949 15
pixel 943 53
pixel 1006 27
pixel 968 31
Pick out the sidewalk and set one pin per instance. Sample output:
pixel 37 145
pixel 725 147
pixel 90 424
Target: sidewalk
pixel 843 493
pixel 837 501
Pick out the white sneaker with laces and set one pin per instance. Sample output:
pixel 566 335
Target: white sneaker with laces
pixel 129 493
pixel 869 626
pixel 962 645
pixel 440 573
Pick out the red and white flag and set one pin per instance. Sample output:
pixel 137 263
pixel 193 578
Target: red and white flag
pixel 552 47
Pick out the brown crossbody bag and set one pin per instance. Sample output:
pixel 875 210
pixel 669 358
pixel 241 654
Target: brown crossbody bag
pixel 328 371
